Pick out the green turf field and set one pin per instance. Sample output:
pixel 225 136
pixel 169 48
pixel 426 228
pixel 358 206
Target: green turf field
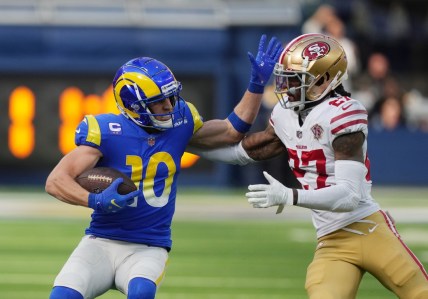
pixel 230 258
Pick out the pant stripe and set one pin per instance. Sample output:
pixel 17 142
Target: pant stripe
pixel 394 230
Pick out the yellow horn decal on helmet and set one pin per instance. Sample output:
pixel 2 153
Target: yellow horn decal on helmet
pixel 143 82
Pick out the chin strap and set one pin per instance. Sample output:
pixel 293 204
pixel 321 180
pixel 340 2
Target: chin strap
pixel 161 124
pixel 333 84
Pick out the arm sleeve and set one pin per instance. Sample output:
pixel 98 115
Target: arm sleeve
pixel 342 197
pixel 230 154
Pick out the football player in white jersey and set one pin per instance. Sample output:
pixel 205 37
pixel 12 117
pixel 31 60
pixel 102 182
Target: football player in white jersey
pixel 325 132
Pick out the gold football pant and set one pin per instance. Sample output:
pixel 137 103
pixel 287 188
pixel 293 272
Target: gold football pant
pixel 371 245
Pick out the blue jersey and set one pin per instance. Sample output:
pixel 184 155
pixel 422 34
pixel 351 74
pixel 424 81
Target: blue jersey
pixel 152 161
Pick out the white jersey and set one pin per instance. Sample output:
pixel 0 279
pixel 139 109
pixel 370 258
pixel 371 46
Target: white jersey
pixel 311 154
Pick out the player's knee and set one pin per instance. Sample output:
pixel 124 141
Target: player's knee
pixel 322 291
pixel 141 288
pixel 60 292
pixel 401 271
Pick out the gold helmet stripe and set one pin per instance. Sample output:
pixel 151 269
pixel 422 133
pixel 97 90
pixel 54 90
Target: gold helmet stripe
pixel 134 79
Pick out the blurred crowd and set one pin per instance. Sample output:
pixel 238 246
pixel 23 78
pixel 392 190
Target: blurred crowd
pixel 390 96
pixel 372 80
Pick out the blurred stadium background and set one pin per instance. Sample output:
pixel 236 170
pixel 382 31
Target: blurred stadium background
pixel 57 60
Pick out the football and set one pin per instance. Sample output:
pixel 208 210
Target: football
pixel 97 179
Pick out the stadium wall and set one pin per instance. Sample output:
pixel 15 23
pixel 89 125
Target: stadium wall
pixel 217 54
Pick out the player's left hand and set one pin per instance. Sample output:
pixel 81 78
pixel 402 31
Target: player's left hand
pixel 110 201
pixel 268 195
pixel 262 65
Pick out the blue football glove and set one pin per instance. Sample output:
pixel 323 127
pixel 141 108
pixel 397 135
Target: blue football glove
pixel 110 201
pixel 262 66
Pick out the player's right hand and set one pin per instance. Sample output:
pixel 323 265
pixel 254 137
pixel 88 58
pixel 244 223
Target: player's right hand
pixel 268 195
pixel 110 201
pixel 264 62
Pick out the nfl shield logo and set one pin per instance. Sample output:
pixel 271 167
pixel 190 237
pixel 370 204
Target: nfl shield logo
pixel 299 134
pixel 151 141
pixel 317 130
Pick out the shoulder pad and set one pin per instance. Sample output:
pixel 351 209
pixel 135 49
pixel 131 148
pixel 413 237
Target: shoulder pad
pixel 349 116
pixel 197 118
pixel 88 132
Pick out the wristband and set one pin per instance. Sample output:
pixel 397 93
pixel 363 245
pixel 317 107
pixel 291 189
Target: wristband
pixel 92 203
pixel 256 88
pixel 239 125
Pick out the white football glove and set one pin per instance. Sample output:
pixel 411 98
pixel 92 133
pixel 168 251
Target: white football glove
pixel 268 195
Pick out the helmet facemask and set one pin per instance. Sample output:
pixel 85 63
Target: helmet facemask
pixel 291 82
pixel 169 92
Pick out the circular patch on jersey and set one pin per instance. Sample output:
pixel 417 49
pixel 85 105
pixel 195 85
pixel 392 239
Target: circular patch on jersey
pixel 316 50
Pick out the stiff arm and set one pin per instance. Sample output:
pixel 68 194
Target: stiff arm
pixel 254 147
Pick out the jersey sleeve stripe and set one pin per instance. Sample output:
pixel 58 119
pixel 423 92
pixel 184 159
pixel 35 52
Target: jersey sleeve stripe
pixel 348 124
pixel 353 112
pixel 197 119
pixel 94 132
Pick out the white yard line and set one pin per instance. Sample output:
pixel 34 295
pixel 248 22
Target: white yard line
pixel 189 207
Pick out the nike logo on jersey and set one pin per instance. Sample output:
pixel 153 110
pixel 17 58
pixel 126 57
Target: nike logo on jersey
pixel 114 203
pixel 78 131
pixel 346 107
pixel 373 228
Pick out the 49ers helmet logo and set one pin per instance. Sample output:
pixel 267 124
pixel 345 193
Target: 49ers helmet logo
pixel 316 50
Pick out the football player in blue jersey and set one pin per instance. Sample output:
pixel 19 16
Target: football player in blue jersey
pixel 127 242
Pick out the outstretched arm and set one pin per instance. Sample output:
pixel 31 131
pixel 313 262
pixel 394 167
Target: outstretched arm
pixel 342 197
pixel 216 133
pixel 263 145
pixel 254 147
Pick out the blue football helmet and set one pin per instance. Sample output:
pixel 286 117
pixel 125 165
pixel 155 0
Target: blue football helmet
pixel 142 81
